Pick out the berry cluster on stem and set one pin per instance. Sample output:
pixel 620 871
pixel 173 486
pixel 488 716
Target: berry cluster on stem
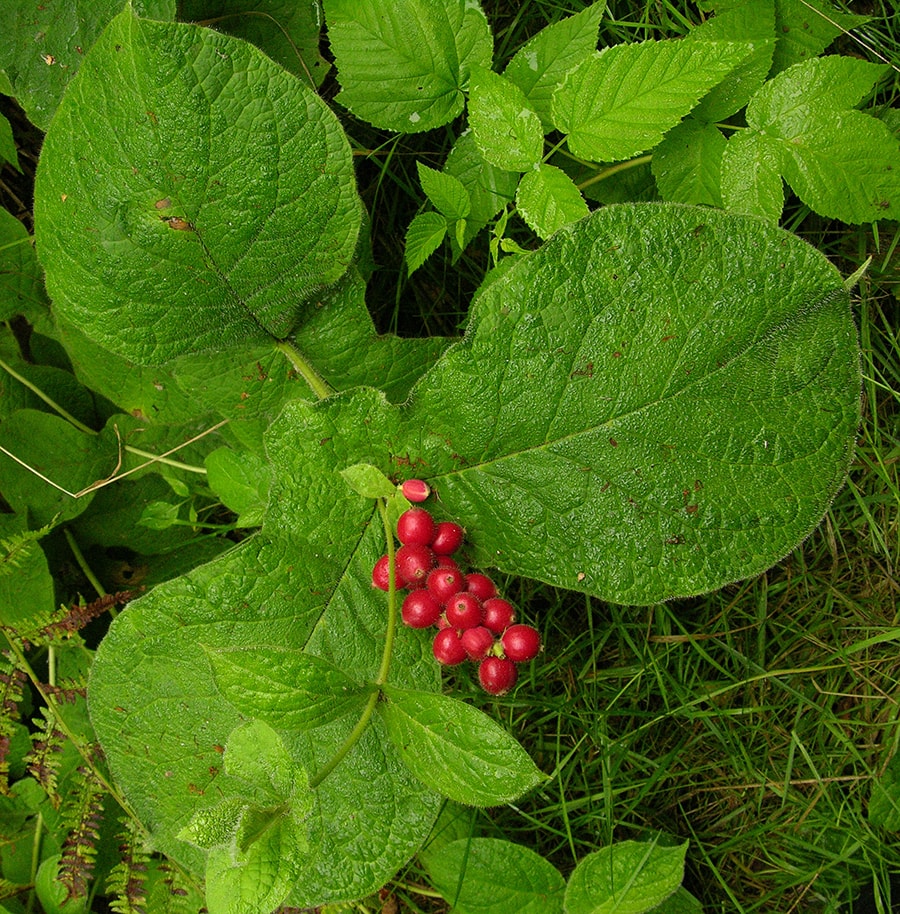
pixel 472 619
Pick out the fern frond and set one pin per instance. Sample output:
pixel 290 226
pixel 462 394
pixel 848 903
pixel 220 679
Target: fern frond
pixel 12 690
pixel 126 882
pixel 15 549
pixel 80 818
pixel 44 759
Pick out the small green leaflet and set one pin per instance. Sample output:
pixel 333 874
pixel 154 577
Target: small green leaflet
pixel 456 749
pixel 368 481
pixel 687 163
pixel 286 688
pixel 547 199
pixel 628 877
pixel 423 237
pixel 445 191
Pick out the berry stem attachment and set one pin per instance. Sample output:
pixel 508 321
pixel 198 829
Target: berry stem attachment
pixel 317 384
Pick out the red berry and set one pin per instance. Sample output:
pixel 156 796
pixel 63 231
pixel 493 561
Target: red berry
pixel 521 643
pixel 420 609
pixel 415 527
pixel 444 583
pixel 497 675
pixel 447 647
pixel 413 564
pixel 499 614
pixel 481 585
pixel 415 490
pixel 444 561
pixel 463 610
pixel 447 538
pixel 381 573
pixel 477 641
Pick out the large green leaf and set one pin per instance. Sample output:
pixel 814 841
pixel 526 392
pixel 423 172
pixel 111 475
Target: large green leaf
pixel 42 45
pixel 21 284
pixel 403 64
pixel 222 201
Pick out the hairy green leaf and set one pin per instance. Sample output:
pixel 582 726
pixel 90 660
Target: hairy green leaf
pixel 8 151
pixel 751 177
pixel 205 222
pixel 628 877
pixel 403 64
pixel 547 199
pixel 620 101
pixel 456 749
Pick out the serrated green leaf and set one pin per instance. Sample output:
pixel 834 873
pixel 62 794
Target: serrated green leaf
pixel 547 199
pixel 750 20
pixel 286 688
pixel 687 163
pixel 493 876
pixel 540 65
pixel 423 238
pixel 621 101
pixel 446 192
pixel 805 28
pixel 368 481
pixel 751 177
pixel 42 46
pixel 842 163
pixel 628 877
pixel 286 31
pixel 8 151
pixel 212 222
pixel 241 480
pixel 507 131
pixel 456 749
pixel 403 64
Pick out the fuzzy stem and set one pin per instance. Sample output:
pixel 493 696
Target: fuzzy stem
pixel 318 385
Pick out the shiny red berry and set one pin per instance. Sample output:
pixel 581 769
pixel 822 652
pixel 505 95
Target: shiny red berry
pixel 499 614
pixel 463 610
pixel 381 573
pixel 420 609
pixel 415 490
pixel 413 564
pixel 521 643
pixel 447 538
pixel 497 675
pixel 415 527
pixel 477 641
pixel 444 583
pixel 444 561
pixel 447 647
pixel 481 585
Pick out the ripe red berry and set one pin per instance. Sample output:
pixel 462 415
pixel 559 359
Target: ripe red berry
pixel 413 564
pixel 420 609
pixel 447 647
pixel 415 527
pixel 444 583
pixel 463 610
pixel 499 614
pixel 521 643
pixel 447 538
pixel 481 585
pixel 415 490
pixel 381 573
pixel 497 675
pixel 444 561
pixel 477 641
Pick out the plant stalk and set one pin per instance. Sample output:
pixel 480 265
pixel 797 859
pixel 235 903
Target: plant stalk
pixel 317 384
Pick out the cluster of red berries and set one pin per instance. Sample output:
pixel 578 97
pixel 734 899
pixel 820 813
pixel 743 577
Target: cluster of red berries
pixel 474 622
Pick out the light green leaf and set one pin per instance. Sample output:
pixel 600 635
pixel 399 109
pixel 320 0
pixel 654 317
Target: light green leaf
pixel 621 101
pixel 547 199
pixel 206 222
pixel 423 238
pixel 26 585
pixel 214 824
pixel 841 162
pixel 159 515
pixel 255 753
pixel 446 192
pixel 628 877
pixel 42 45
pixel 241 480
pixel 403 64
pixel 507 131
pixel 682 902
pixel 751 177
pixel 805 28
pixel 285 687
pixel 687 163
pixel 8 151
pixel 285 30
pixel 749 20
pixel 368 481
pixel 456 749
pixel 493 876
pixel 540 65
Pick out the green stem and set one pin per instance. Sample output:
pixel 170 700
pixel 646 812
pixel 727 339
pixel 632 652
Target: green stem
pixel 318 385
pixel 614 170
pixel 363 722
pixel 82 563
pixel 187 467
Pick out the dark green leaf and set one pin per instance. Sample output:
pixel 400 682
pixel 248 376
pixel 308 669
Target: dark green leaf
pixel 21 281
pixel 241 480
pixel 805 28
pixel 884 803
